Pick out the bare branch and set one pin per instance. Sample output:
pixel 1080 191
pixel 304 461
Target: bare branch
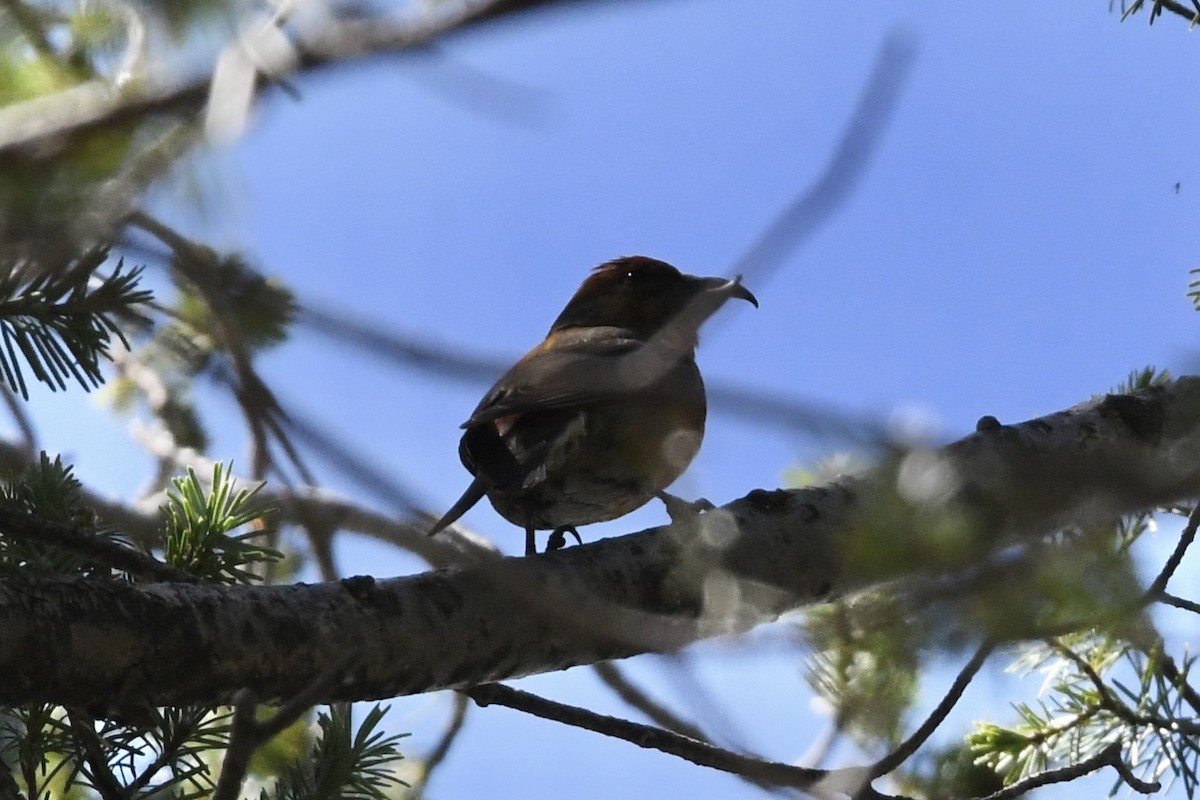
pixel 1108 757
pixel 697 752
pixel 1180 602
pixel 243 741
pixel 248 733
pixel 1159 586
pixel 657 713
pixel 939 714
pixel 471 367
pixel 812 209
pixel 263 413
pixel 715 574
pixel 95 104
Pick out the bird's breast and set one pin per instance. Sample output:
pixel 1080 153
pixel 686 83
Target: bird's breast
pixel 592 462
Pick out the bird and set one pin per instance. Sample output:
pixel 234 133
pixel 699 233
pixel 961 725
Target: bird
pixel 605 413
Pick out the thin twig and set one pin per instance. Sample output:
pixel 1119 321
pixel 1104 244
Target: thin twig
pixel 320 541
pixel 1186 538
pixel 1179 602
pixel 261 409
pixel 352 464
pixel 195 264
pixel 700 753
pixel 248 733
pixel 1171 672
pixel 336 43
pixel 243 741
pixel 935 719
pixel 1110 703
pixel 1157 655
pixel 471 367
pixel 657 713
pixel 1108 757
pixel 805 215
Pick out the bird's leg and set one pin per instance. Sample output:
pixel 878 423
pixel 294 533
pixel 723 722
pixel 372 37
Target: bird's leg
pixel 530 541
pixel 558 541
pixel 679 509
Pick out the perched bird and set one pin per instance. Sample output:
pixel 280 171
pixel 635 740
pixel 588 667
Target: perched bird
pixel 605 413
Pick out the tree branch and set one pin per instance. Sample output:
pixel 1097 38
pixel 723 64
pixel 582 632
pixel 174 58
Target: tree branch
pixel 656 712
pixel 102 778
pixel 1159 586
pixel 96 104
pixel 1109 702
pixel 910 745
pixel 1108 757
pixel 697 752
pixel 1180 602
pixel 86 641
pixel 248 733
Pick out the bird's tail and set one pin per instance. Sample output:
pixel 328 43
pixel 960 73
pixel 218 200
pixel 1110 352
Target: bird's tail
pixel 470 497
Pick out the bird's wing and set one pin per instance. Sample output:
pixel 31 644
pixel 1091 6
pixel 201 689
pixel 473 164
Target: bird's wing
pixel 571 371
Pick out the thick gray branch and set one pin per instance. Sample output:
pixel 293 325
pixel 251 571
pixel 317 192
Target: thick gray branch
pixel 115 644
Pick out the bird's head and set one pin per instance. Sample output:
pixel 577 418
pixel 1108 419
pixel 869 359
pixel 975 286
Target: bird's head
pixel 648 297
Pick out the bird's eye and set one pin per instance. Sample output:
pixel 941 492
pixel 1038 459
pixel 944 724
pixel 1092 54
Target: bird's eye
pixel 630 276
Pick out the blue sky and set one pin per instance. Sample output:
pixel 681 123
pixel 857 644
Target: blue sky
pixel 1016 246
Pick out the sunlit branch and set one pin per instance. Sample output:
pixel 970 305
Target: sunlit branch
pixel 1110 703
pixel 97 104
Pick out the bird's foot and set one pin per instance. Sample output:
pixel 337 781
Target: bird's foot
pixel 680 510
pixel 558 539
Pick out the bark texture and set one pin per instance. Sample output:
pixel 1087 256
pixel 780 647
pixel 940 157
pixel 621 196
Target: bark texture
pixel 109 645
